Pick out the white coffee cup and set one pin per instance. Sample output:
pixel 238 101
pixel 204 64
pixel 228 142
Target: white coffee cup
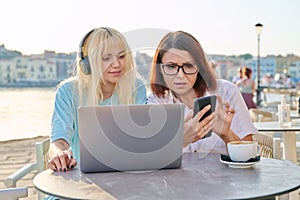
pixel 242 150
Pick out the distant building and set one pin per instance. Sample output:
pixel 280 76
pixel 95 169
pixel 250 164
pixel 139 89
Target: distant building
pixel 50 67
pixel 6 71
pixel 228 65
pixel 267 66
pixel 35 70
pixel 294 72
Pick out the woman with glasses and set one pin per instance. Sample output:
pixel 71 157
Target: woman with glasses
pixel 179 74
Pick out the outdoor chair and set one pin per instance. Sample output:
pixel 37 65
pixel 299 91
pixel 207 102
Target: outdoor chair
pixel 13 193
pixel 42 157
pixel 258 115
pixel 269 146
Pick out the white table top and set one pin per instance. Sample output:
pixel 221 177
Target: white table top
pixel 198 178
pixel 275 126
pixel 295 114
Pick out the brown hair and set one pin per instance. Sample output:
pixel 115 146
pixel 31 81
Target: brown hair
pixel 183 41
pixel 247 72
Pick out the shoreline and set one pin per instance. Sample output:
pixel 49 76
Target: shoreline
pixel 25 138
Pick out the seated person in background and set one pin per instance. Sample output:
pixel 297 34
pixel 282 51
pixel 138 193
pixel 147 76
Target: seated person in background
pixel 106 75
pixel 179 74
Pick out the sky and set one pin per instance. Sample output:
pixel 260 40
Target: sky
pixel 222 26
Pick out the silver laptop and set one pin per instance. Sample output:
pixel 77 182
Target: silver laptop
pixel 130 137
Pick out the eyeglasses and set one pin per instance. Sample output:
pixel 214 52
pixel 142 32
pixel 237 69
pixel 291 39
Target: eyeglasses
pixel 173 68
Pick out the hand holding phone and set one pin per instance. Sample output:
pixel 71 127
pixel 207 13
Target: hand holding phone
pixel 200 103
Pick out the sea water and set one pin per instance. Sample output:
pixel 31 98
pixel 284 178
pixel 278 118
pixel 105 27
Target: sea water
pixel 25 112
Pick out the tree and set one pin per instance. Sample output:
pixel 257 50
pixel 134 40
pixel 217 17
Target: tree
pixel 246 56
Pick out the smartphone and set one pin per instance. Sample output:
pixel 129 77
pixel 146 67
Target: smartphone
pixel 200 103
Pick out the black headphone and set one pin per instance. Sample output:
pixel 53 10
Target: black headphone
pixel 84 61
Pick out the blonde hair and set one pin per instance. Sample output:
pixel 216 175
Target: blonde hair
pixel 96 45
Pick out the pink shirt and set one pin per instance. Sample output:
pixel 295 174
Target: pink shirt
pixel 241 124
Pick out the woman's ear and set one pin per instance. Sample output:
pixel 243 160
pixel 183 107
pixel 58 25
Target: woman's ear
pixel 159 68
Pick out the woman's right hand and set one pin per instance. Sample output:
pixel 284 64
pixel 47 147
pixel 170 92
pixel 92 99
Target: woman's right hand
pixel 61 157
pixel 195 130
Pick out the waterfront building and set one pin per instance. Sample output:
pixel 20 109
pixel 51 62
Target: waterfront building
pixel 50 67
pixel 45 69
pixel 228 65
pixel 267 66
pixel 7 67
pixel 294 72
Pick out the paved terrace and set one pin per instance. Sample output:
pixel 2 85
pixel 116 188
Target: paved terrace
pixel 14 154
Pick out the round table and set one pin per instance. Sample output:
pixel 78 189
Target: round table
pixel 200 177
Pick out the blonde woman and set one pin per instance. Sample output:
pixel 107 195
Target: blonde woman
pixel 106 75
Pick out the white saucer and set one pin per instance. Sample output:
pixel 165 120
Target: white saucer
pixel 239 164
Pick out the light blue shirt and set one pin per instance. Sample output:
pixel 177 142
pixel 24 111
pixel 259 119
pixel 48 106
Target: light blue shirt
pixel 64 119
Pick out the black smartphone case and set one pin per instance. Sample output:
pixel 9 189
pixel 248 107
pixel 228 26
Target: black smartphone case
pixel 200 103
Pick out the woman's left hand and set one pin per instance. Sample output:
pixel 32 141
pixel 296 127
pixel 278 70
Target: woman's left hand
pixel 224 118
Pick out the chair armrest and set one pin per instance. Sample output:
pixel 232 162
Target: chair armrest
pixel 13 193
pixel 274 116
pixel 11 180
